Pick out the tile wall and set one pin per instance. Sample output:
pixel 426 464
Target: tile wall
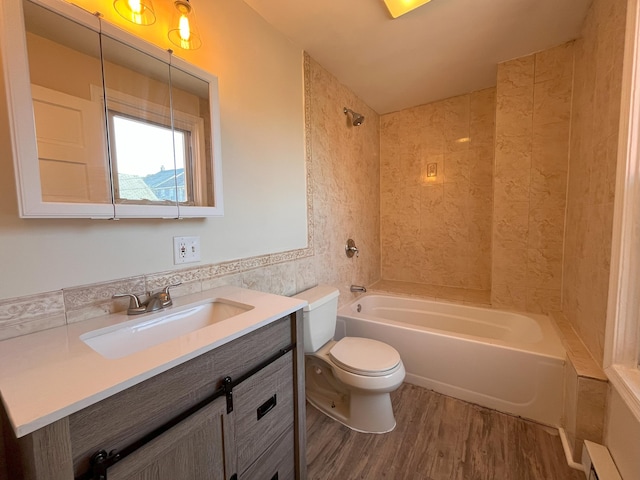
pixel 533 110
pixel 436 230
pixel 345 163
pixel 594 143
pixel 343 201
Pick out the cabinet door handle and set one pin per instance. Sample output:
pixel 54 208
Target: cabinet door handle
pixel 266 407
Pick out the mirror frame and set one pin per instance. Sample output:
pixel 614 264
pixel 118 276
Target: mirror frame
pixel 15 66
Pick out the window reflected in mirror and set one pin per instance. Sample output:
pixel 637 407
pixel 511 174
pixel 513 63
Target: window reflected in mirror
pixel 145 166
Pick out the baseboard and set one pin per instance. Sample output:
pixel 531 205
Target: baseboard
pixel 567 451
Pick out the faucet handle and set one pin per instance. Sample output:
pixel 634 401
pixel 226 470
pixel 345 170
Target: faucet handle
pixel 166 289
pixel 351 249
pixel 165 296
pixel 134 303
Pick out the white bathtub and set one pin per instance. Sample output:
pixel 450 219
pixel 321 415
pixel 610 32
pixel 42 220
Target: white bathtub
pixel 511 362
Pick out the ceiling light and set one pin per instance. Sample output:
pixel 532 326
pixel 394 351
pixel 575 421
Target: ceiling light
pixel 184 33
pixel 400 7
pixel 139 12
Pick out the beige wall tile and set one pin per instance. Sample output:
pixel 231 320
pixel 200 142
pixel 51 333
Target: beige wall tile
pixel 439 234
pixel 554 63
pixel 544 269
pixel 510 264
pixel 511 226
pixel 508 296
pixel 514 111
pixel 530 179
pixel 552 101
pixel 596 103
pixel 546 226
pixel 516 73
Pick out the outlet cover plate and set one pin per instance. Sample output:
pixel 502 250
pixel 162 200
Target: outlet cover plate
pixel 186 250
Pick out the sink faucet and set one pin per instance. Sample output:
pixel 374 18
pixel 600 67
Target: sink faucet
pixel 358 288
pixel 153 302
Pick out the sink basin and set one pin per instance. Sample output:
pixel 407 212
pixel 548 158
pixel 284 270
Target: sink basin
pixel 139 334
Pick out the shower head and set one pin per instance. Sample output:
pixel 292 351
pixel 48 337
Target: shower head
pixel 357 118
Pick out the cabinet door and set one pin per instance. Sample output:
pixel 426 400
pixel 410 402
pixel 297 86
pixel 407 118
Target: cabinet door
pixel 191 450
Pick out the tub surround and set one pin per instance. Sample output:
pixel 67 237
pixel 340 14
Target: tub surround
pixel 58 362
pixel 533 108
pixel 345 165
pixel 437 229
pixel 594 146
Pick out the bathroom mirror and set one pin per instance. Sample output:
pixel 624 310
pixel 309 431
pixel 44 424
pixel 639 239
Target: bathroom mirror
pixel 118 128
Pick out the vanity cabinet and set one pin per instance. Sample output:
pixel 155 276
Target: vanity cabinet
pixel 256 432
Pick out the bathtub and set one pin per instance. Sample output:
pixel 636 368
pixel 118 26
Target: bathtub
pixel 510 362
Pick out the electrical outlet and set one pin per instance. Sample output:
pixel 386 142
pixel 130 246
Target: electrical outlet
pixel 186 250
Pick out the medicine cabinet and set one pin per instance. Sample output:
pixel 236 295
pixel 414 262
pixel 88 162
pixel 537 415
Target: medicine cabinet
pixel 104 124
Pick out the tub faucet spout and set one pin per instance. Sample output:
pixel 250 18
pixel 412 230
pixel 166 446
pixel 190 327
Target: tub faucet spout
pixel 358 288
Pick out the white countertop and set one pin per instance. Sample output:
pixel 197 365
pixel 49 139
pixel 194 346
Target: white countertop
pixel 48 375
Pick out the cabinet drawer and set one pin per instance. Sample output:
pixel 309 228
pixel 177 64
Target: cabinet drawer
pixel 263 410
pixel 277 463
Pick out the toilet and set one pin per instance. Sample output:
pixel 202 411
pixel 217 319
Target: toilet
pixel 350 379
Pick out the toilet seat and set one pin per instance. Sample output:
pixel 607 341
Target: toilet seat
pixel 364 356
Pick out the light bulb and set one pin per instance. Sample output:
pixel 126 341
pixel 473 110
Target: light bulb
pixel 185 31
pixel 139 12
pixel 135 6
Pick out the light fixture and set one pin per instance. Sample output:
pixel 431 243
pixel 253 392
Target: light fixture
pixel 184 33
pixel 139 12
pixel 400 7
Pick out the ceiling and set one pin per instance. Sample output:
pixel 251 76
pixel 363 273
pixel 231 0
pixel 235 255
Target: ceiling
pixel 442 49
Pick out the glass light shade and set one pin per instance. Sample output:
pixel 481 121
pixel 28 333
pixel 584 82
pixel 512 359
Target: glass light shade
pixel 183 32
pixel 400 7
pixel 139 12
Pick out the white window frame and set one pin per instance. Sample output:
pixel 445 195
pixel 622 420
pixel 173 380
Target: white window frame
pixel 622 341
pixel 137 108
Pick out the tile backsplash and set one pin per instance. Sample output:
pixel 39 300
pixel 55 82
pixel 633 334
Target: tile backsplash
pixel 32 313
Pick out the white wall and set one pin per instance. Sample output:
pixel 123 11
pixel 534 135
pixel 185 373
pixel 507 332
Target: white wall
pixel 261 96
pixel 622 436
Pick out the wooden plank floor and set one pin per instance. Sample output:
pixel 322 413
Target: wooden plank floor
pixel 436 438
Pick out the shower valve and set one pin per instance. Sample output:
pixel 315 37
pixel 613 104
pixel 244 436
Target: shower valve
pixel 351 249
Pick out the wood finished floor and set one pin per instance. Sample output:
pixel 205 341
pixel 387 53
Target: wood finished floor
pixel 436 438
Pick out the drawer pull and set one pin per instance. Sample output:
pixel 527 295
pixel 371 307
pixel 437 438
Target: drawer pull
pixel 266 407
pixel 275 477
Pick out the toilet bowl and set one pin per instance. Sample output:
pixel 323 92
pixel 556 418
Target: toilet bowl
pixel 349 380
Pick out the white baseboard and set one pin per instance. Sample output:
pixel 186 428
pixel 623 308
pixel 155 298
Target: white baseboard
pixel 567 451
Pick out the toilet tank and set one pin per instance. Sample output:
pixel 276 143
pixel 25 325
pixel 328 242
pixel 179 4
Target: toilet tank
pixel 319 317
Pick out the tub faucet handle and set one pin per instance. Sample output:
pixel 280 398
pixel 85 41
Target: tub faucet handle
pixel 351 249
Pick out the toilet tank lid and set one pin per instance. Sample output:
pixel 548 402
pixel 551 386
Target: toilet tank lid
pixel 318 296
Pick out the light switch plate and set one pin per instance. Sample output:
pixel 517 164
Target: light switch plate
pixel 186 250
